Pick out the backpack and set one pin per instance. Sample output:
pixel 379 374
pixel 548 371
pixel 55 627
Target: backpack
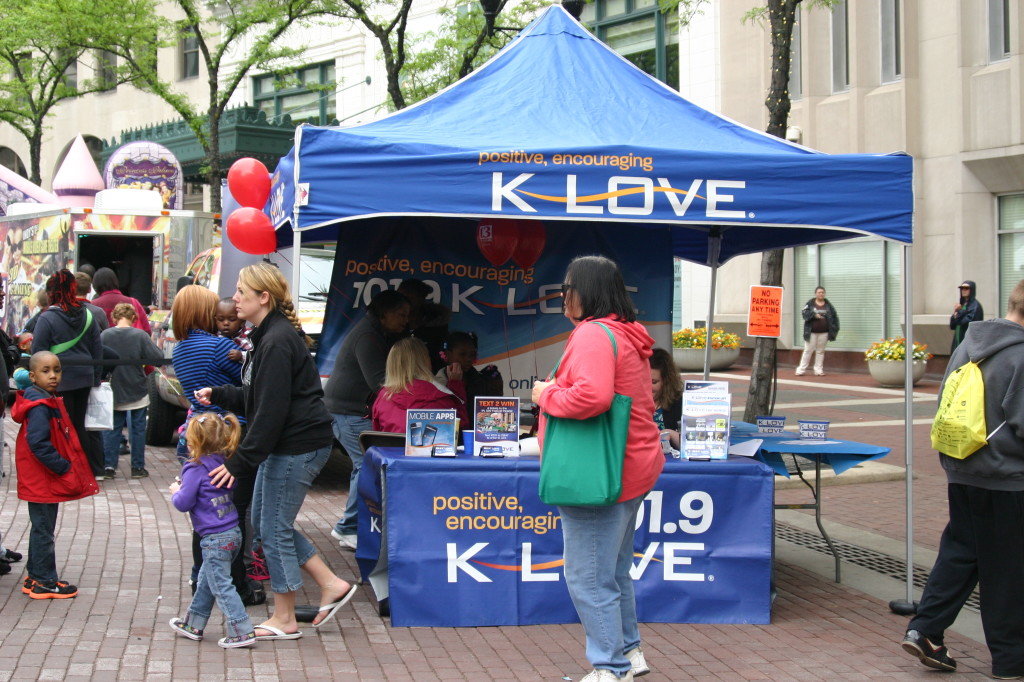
pixel 959 428
pixel 10 352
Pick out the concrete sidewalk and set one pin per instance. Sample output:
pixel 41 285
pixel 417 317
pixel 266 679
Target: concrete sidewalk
pixel 128 550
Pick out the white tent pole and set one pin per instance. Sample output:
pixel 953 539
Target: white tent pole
pixel 296 267
pixel 714 249
pixel 908 394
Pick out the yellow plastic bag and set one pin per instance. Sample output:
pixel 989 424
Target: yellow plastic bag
pixel 959 426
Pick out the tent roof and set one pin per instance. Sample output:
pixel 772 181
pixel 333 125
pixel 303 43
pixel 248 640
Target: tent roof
pixel 557 126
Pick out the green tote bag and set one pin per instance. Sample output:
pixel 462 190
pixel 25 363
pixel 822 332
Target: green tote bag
pixel 581 464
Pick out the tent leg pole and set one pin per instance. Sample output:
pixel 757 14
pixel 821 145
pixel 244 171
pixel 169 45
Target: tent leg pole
pixel 714 248
pixel 908 606
pixel 296 266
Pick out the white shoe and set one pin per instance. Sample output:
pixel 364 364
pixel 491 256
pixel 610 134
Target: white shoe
pixel 347 541
pixel 799 373
pixel 605 675
pixel 638 662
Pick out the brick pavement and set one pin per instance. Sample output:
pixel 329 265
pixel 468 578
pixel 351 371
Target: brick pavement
pixel 127 549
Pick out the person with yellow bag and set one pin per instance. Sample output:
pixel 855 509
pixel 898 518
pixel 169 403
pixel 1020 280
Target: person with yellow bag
pixel 983 543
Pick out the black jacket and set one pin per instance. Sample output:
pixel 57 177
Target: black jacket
pixel 55 326
pixel 359 367
pixel 280 397
pixel 833 319
pixel 970 311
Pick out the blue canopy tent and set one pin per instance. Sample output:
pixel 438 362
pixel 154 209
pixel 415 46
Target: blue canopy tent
pixel 558 127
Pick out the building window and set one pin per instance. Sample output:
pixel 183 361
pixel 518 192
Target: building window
pixel 640 32
pixel 188 50
pixel 840 49
pixel 308 95
pixel 796 86
pixel 861 279
pixel 998 30
pixel 71 70
pixel 106 70
pixel 892 66
pixel 1011 246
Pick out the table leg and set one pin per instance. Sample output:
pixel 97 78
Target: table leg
pixel 817 515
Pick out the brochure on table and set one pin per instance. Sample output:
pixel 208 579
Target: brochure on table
pixel 707 411
pixel 496 427
pixel 429 432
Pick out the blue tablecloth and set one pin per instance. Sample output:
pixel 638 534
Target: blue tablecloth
pixel 469 543
pixel 838 454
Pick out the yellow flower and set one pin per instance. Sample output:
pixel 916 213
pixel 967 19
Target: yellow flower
pixel 896 349
pixel 695 338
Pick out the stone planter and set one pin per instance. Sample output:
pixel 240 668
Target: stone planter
pixel 692 359
pixel 889 373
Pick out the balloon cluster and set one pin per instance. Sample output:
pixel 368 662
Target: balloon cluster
pixel 248 227
pixel 502 238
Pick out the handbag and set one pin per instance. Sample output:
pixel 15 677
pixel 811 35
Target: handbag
pixel 99 415
pixel 581 464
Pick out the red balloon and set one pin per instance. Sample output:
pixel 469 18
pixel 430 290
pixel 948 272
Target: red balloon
pixel 497 239
pixel 532 237
pixel 251 231
pixel 249 183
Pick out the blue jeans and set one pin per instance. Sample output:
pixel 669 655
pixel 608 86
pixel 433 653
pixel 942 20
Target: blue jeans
pixel 42 562
pixel 347 428
pixel 282 482
pixel 136 420
pixel 214 584
pixel 598 544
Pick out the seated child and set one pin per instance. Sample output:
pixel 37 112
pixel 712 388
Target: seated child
pixel 408 385
pixel 460 349
pixel 231 327
pixel 51 469
pixel 211 439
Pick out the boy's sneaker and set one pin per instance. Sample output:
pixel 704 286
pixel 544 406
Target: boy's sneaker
pixel 139 473
pixel 109 473
pixel 26 586
pixel 186 630
pixel 258 568
pixel 932 656
pixel 5 567
pixel 239 641
pixel 55 590
pixel 10 555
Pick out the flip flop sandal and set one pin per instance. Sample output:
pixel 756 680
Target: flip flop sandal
pixel 276 633
pixel 332 609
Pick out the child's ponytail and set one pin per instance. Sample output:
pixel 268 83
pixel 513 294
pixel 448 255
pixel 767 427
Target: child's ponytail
pixel 210 432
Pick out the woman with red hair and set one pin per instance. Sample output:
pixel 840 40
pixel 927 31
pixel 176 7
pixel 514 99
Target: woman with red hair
pixel 68 329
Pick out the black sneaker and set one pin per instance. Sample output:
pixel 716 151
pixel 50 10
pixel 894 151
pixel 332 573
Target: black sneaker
pixel 56 590
pixel 932 656
pixel 109 473
pixel 10 555
pixel 5 567
pixel 139 473
pixel 26 586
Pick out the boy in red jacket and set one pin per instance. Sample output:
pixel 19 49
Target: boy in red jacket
pixel 51 469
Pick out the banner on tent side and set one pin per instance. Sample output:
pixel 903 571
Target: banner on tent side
pixel 515 312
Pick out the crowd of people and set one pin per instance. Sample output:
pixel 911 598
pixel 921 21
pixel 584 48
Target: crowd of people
pixel 260 428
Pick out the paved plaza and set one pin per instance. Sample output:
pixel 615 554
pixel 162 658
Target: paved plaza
pixel 128 551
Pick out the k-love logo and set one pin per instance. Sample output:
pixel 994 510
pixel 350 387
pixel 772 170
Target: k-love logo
pixel 714 193
pixel 696 515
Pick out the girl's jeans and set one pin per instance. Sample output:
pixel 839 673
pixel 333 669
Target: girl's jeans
pixel 282 482
pixel 598 546
pixel 214 584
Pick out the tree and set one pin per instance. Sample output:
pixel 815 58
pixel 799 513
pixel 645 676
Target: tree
pixel 389 30
pixel 469 37
pixel 233 37
pixel 781 17
pixel 36 73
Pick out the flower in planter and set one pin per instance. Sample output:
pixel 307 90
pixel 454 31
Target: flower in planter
pixel 694 338
pixel 896 349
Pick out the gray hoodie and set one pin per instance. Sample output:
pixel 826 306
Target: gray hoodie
pixel 999 345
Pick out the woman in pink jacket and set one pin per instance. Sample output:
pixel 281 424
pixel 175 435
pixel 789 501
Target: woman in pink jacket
pixel 409 385
pixel 598 541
